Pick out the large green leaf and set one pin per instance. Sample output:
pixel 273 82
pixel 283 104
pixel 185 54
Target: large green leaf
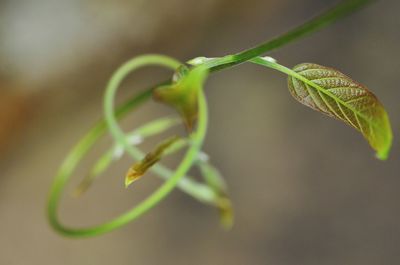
pixel 331 92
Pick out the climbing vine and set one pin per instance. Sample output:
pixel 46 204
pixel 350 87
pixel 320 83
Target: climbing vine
pixel 321 88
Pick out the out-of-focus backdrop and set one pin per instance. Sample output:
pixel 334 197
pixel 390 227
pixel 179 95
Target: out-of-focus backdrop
pixel 306 189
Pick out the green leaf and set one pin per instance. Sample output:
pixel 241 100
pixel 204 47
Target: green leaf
pixel 331 92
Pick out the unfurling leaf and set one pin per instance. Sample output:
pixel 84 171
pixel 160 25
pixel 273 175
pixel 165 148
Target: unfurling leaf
pixel 329 91
pixel 213 177
pixel 140 168
pixel 183 93
pixel 216 182
pixel 134 138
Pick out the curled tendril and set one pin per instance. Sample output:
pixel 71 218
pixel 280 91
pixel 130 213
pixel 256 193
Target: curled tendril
pixel 72 160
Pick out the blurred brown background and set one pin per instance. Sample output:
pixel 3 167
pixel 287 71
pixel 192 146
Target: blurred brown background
pixel 306 189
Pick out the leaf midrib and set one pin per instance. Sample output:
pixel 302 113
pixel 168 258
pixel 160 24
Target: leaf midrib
pixel 324 91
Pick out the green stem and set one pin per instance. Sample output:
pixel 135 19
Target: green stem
pixel 342 9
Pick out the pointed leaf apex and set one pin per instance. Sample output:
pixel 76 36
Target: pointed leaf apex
pixel 132 175
pixel 383 154
pixel 140 168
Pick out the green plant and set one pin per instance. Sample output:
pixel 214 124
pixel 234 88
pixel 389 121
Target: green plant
pixel 321 88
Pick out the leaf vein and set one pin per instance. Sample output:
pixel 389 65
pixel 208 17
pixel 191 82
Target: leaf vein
pixel 345 115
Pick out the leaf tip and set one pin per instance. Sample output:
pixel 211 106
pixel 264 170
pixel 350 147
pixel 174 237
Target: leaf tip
pixel 383 149
pixel 131 176
pixel 383 154
pixel 226 213
pixel 82 187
